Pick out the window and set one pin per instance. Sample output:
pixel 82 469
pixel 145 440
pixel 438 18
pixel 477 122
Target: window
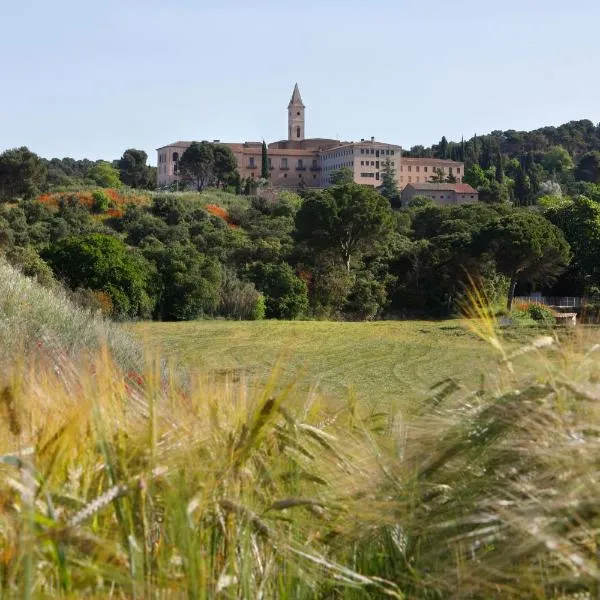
pixel 300 163
pixel 418 168
pixel 284 164
pixel 175 156
pixel 298 113
pixel 377 176
pixel 269 163
pixel 297 132
pixel 409 179
pixel 458 170
pixel 392 153
pixel 251 165
pixel 377 153
pixel 377 164
pixel 362 163
pixel 409 168
pixel 362 150
pixel 425 169
pixel 285 175
pixel 372 151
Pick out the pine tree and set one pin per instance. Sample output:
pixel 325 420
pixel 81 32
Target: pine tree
pixel 388 188
pixel 499 166
pixel 264 173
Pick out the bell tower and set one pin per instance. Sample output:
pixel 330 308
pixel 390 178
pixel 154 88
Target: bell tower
pixel 296 117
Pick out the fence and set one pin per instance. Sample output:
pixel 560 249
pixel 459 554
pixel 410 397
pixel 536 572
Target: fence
pixel 555 301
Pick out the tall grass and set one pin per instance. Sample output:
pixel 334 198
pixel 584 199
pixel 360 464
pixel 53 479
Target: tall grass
pixel 125 484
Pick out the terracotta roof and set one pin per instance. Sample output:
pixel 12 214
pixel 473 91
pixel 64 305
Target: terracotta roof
pixel 176 144
pixel 459 188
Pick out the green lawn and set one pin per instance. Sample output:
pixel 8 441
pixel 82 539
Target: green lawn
pixel 388 362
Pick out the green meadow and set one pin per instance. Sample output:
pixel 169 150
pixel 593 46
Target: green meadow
pixel 385 362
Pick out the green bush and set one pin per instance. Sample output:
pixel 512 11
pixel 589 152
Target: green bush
pixel 104 263
pixel 101 201
pixel 541 314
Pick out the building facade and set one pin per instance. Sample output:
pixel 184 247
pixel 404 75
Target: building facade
pixel 310 162
pixel 441 193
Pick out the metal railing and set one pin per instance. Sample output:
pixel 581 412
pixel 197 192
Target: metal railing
pixel 555 301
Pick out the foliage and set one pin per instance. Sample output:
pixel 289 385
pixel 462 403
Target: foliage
pixel 588 167
pixel 342 176
pixel 188 281
pixel 101 201
pixel 205 164
pixel 104 263
pixel 389 186
pixel 345 219
pixel 104 174
pixel 22 174
pixel 524 246
pixel 285 294
pixel 133 170
pixel 240 300
pixel 264 165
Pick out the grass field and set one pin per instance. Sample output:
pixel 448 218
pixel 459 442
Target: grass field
pixel 386 362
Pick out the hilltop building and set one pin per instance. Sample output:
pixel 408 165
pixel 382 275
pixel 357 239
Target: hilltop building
pixel 441 193
pixel 300 161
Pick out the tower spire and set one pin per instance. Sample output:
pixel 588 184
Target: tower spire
pixel 296 117
pixel 296 98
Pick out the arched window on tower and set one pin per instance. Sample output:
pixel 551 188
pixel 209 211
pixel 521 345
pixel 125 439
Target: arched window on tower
pixel 297 132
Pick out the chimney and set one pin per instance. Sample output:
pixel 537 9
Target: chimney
pixel 372 138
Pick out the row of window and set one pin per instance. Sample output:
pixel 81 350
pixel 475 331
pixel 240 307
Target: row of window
pixel 425 169
pixel 337 166
pixel 418 179
pixel 252 164
pixel 383 152
pixel 370 175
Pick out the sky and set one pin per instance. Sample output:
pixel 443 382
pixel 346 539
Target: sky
pixel 89 79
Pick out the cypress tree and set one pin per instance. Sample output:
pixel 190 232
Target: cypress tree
pixel 264 173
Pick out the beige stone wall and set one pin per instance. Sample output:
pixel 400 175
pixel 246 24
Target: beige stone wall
pixel 364 158
pixel 166 163
pixel 420 170
pixel 441 197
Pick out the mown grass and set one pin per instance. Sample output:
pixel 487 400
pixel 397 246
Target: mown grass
pixel 386 363
pixel 140 484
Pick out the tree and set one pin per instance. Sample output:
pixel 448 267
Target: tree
pixel 286 294
pixel 557 160
pixel 189 281
pixel 579 220
pixel 388 188
pixel 104 263
pixel 133 170
pixel 346 219
pixel 523 191
pixel 438 176
pixel 588 167
pixel 264 171
pixel 22 174
pixel 342 176
pixel 499 167
pixel 225 164
pixel 104 175
pixel 525 247
pixel 443 148
pixel 197 164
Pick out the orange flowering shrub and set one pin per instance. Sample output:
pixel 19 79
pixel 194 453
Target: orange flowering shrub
pixel 85 198
pixel 222 213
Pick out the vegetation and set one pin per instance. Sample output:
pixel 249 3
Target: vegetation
pixel 129 480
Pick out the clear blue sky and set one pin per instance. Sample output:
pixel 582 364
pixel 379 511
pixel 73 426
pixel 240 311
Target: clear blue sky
pixel 90 79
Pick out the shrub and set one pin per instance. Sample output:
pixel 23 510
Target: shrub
pixel 286 295
pixel 541 314
pixel 240 300
pixel 101 201
pixel 103 263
